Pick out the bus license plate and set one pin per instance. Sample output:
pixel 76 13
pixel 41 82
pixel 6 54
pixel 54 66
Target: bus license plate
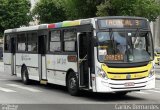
pixel 128 84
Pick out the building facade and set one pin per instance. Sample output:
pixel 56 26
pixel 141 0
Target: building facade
pixel 155 26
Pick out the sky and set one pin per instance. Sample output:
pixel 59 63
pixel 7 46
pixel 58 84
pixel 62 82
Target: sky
pixel 33 2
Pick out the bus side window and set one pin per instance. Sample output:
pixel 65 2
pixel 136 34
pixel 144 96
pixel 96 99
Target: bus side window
pixel 55 42
pixel 69 40
pixel 21 42
pixel 32 42
pixel 7 43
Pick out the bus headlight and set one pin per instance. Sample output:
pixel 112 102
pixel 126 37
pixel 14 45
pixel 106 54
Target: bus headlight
pixel 101 73
pixel 151 73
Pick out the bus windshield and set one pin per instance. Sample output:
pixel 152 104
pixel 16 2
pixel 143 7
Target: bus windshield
pixel 124 46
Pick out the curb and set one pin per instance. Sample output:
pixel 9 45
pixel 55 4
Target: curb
pixel 158 77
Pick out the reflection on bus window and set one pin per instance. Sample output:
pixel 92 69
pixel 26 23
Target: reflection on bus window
pixel 32 42
pixel 69 40
pixel 124 46
pixel 55 43
pixel 21 42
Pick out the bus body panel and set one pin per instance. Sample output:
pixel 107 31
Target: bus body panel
pixel 57 67
pixel 30 61
pixel 7 62
pixel 56 77
pixel 60 62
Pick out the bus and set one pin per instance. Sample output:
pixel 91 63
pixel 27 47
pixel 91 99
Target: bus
pixel 112 54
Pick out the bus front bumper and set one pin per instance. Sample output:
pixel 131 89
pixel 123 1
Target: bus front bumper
pixel 109 86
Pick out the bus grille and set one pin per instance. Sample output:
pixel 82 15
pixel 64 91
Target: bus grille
pixel 127 75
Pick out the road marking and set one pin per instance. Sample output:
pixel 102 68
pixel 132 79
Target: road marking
pixel 154 91
pixel 3 79
pixel 6 90
pixel 25 88
pixel 140 92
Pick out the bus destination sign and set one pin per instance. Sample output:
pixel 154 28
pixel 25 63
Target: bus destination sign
pixel 122 23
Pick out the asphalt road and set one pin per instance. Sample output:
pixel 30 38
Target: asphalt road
pixel 13 91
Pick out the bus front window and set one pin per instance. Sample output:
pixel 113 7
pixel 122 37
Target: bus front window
pixel 128 46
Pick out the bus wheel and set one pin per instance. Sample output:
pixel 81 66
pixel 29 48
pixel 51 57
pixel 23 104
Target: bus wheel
pixel 72 84
pixel 119 94
pixel 24 75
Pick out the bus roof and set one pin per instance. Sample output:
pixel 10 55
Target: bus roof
pixel 30 28
pixel 48 26
pixel 121 17
pixel 66 24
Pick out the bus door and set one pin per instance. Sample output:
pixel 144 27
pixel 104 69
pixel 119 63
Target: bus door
pixel 13 56
pixel 42 57
pixel 84 48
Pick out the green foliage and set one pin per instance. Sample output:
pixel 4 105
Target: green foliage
pixel 14 13
pixel 147 8
pixel 78 9
pixel 49 11
pixel 58 10
pixel 144 8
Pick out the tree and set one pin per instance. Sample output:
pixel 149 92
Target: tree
pixel 78 9
pixel 14 13
pixel 144 8
pixel 49 11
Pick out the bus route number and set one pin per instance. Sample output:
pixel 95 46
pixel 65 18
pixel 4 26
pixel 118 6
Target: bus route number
pixel 118 57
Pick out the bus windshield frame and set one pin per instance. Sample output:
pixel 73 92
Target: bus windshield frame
pixel 124 46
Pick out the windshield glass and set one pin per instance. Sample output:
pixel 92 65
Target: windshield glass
pixel 124 46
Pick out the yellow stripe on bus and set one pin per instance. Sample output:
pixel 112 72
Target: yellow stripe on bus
pixel 127 73
pixel 124 70
pixel 125 76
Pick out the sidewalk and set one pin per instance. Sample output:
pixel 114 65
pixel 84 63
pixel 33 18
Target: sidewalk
pixel 158 76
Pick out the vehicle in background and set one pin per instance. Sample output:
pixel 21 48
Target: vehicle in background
pixel 157 55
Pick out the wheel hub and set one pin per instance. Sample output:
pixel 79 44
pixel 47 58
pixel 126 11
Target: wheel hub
pixel 72 83
pixel 24 76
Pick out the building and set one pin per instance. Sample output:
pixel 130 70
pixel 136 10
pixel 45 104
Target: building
pixel 155 26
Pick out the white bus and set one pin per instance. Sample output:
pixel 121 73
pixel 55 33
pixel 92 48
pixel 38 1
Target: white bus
pixel 102 54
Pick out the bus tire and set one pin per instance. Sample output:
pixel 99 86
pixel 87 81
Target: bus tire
pixel 72 84
pixel 24 76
